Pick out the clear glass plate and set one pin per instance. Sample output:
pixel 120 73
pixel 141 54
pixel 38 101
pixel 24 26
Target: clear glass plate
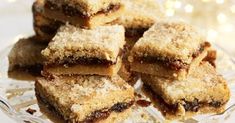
pixel 17 95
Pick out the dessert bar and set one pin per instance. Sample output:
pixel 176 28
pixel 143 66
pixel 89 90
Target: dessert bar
pixel 204 91
pixel 74 50
pixel 87 98
pixel 139 16
pixel 169 49
pixel 44 27
pixel 26 55
pixel 84 13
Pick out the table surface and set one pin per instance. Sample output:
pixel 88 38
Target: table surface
pixel 16 22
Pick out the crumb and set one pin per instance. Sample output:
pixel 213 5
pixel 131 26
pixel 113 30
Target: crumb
pixel 31 111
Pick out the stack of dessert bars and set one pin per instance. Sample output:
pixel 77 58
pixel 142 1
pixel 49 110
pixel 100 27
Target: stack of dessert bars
pixel 82 60
pixel 89 50
pixel 85 53
pixel 177 67
pixel 135 15
pixel 80 74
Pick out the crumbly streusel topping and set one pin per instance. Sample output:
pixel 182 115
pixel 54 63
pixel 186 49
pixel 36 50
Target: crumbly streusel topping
pixel 84 86
pixel 87 87
pixel 169 39
pixel 204 84
pixel 140 13
pixel 103 42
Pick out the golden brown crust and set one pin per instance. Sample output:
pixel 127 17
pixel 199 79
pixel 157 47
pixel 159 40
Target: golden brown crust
pixel 140 14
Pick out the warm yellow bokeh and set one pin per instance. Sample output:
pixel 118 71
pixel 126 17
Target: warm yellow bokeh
pixel 215 18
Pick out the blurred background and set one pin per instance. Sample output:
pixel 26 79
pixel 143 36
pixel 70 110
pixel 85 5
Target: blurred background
pixel 215 19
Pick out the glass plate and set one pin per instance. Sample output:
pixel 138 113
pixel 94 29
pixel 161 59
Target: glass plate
pixel 17 95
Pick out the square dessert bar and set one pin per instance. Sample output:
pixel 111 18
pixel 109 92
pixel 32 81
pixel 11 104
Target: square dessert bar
pixel 85 13
pixel 26 55
pixel 139 16
pixel 45 28
pixel 74 50
pixel 169 49
pixel 204 91
pixel 87 98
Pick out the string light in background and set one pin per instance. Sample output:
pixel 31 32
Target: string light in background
pixel 188 8
pixel 216 18
pixel 11 1
pixel 222 18
pixel 232 8
pixel 211 34
pixel 219 1
pixel 177 4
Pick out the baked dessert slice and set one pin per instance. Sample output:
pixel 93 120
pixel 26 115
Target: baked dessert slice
pixel 169 49
pixel 139 16
pixel 45 28
pixel 85 51
pixel 85 13
pixel 204 91
pixel 87 98
pixel 26 55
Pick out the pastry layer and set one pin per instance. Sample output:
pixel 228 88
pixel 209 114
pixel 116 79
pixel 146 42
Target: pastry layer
pixel 169 40
pixel 86 98
pixel 84 69
pixel 173 64
pixel 66 13
pixel 203 87
pixel 104 42
pixel 161 68
pixel 139 15
pixel 86 7
pixel 26 55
